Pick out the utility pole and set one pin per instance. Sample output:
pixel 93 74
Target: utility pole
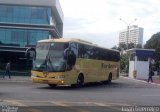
pixel 127 33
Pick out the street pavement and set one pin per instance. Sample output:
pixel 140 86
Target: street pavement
pixel 90 98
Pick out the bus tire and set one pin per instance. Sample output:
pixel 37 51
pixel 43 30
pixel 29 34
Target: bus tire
pixel 80 81
pixel 109 80
pixel 52 85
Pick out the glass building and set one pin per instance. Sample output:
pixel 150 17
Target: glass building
pixel 24 22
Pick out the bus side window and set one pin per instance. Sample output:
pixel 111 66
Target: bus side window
pixel 81 51
pixel 74 48
pixel 94 53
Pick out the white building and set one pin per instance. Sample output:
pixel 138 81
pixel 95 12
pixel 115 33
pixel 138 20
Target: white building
pixel 133 34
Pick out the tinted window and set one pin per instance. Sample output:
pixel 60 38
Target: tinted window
pixel 90 52
pixel 22 38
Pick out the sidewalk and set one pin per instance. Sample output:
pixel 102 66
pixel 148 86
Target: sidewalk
pixel 155 78
pixel 16 79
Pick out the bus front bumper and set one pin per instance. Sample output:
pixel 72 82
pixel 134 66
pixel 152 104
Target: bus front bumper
pixel 47 80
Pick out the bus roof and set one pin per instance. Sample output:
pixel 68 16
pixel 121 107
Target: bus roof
pixel 73 40
pixel 65 40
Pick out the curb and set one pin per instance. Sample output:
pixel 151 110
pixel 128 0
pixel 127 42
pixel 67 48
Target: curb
pixel 140 80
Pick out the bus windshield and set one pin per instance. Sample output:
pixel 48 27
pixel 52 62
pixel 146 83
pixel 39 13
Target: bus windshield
pixel 50 57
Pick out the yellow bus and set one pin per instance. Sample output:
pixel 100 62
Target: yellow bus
pixel 68 61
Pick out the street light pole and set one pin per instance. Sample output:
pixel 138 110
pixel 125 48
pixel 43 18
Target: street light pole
pixel 128 24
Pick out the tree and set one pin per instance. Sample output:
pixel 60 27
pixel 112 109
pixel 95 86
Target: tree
pixel 131 45
pixel 115 47
pixel 122 46
pixel 124 63
pixel 138 46
pixel 153 42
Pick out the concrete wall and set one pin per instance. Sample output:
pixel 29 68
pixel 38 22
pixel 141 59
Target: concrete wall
pixel 142 68
pixel 131 69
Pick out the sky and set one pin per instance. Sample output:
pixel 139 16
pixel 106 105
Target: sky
pixel 98 21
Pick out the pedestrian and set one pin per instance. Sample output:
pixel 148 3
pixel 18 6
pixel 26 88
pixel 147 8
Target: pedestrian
pixel 151 73
pixel 7 72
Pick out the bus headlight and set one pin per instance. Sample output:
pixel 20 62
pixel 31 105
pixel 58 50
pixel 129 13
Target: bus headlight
pixel 59 77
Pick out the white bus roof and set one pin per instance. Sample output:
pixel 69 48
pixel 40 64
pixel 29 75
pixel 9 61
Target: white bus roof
pixel 73 40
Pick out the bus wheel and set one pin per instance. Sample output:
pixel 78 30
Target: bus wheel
pixel 52 85
pixel 80 80
pixel 109 80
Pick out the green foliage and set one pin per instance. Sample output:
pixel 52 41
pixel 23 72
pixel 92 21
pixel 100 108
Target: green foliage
pixel 131 45
pixel 123 46
pixel 138 46
pixel 153 42
pixel 115 47
pixel 124 63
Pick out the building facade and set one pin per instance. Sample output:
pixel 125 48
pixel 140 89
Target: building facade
pixel 22 24
pixel 133 34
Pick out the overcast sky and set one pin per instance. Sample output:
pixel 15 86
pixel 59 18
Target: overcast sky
pixel 98 21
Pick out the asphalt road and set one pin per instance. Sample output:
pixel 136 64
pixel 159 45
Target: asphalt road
pixel 29 97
